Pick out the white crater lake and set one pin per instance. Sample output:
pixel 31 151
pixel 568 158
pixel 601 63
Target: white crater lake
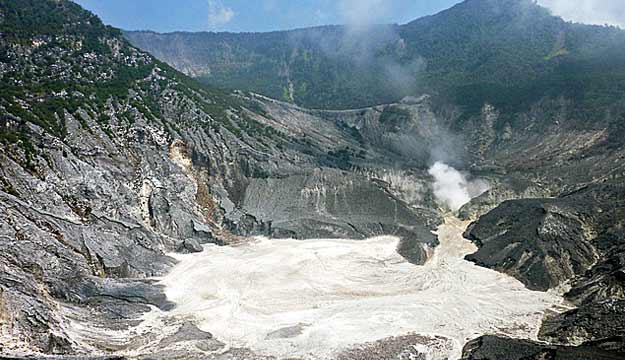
pixel 312 299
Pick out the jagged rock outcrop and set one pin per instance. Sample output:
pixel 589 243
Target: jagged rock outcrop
pixel 545 242
pixel 601 323
pixel 498 348
pixel 541 242
pixel 504 188
pixel 577 238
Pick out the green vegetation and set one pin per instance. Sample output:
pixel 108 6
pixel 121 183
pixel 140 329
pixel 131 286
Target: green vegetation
pixel 21 138
pixel 7 187
pixel 341 158
pixel 394 116
pixel 71 69
pixel 510 53
pixel 26 19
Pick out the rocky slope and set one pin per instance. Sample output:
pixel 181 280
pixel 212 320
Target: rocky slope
pixel 521 237
pixel 574 239
pixel 111 159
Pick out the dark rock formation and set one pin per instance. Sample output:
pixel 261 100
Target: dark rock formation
pixel 190 246
pixel 499 348
pixel 400 347
pixel 577 237
pixel 539 241
pixel 503 188
pixel 600 323
pixel 545 242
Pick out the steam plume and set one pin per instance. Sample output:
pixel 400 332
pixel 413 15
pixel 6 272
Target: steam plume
pixel 452 188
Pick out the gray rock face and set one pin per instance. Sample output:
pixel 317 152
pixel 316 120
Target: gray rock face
pixel 64 358
pixel 46 259
pixel 600 323
pixel 401 347
pixel 190 246
pixel 328 203
pixel 190 333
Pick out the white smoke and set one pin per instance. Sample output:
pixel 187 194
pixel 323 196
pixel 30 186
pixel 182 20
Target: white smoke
pixel 598 12
pixel 218 14
pixel 452 188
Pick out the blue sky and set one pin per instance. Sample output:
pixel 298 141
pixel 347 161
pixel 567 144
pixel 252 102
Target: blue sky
pixel 255 15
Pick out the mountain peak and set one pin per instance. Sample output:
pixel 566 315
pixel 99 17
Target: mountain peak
pixel 491 11
pixel 29 18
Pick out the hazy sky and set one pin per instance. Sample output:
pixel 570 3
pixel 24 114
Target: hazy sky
pixel 255 15
pixel 267 15
pixel 589 11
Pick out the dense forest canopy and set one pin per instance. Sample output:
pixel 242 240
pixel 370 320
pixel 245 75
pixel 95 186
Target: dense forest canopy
pixel 508 52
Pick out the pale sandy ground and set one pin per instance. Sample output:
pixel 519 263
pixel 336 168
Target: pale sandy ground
pixel 315 298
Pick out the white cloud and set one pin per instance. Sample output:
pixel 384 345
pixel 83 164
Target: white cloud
pixel 362 12
pixel 589 11
pixel 218 14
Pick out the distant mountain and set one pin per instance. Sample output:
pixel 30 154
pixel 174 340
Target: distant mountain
pixel 478 50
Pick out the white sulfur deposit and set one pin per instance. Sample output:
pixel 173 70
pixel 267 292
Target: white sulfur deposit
pixel 314 298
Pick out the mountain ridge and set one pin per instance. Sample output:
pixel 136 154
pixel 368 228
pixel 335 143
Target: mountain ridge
pixel 291 68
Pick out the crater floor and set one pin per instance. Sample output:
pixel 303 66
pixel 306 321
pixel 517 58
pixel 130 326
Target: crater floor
pixel 317 299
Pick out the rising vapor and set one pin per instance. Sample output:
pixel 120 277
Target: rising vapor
pixel 599 12
pixel 218 14
pixel 452 188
